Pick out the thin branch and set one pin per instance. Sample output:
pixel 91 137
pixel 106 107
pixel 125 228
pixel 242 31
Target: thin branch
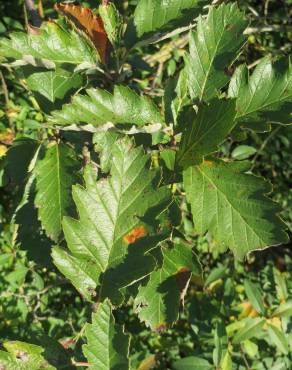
pixel 36 19
pixel 6 97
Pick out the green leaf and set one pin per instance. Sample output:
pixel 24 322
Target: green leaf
pixel 176 97
pixel 52 84
pixel 153 18
pixel 284 309
pixel 232 205
pixel 107 346
pixel 55 175
pixel 192 363
pixel 226 362
pixel 205 131
pixel 255 297
pixel 157 302
pixel 250 348
pixel 278 338
pixel 243 152
pixel 51 43
pixel 112 22
pixel 251 328
pixel 103 143
pixel 265 96
pixel 18 159
pixel 112 211
pixel 281 285
pixel 23 356
pixel 213 47
pixel 100 107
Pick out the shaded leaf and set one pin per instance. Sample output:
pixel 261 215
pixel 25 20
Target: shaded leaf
pixel 55 175
pixel 232 205
pixel 205 131
pixel 213 47
pixel 107 346
pixel 157 302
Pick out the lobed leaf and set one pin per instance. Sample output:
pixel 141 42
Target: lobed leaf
pixel 213 47
pixel 56 172
pixel 100 106
pixel 232 205
pixel 265 96
pixel 50 43
pixel 107 346
pixel 111 210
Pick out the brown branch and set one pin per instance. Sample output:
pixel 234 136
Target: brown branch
pixel 36 19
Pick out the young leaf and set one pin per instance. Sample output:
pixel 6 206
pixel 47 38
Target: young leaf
pixel 214 45
pixel 103 243
pixel 155 17
pixel 112 22
pixel 55 175
pixel 100 107
pixel 107 345
pixel 265 96
pixel 205 131
pixel 24 356
pixel 232 205
pixel 52 43
pixel 157 303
